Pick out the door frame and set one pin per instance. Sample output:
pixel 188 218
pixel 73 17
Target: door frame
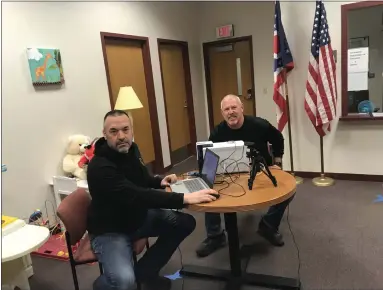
pixel 189 91
pixel 345 8
pixel 206 47
pixel 158 163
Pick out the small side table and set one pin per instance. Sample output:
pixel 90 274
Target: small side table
pixel 16 246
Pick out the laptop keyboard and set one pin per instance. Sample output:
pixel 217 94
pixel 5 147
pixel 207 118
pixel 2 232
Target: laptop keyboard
pixel 193 185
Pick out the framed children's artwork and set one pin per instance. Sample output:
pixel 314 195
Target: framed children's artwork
pixel 45 66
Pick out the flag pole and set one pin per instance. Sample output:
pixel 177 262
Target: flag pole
pixel 322 180
pixel 298 180
pixel 323 65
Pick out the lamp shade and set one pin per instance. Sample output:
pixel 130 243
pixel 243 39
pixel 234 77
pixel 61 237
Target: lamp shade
pixel 127 100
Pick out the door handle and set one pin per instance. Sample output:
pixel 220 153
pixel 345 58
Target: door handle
pixel 185 104
pixel 249 95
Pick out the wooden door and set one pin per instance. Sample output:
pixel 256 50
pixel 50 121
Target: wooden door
pixel 223 77
pixel 126 68
pixel 242 53
pixel 177 103
pixel 230 72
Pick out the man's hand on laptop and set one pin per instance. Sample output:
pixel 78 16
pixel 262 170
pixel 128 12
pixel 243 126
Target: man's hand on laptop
pixel 168 180
pixel 201 196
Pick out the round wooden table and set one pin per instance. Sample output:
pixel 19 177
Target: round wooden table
pixel 236 197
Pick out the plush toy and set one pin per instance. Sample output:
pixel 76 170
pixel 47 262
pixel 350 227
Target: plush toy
pixel 88 154
pixel 75 149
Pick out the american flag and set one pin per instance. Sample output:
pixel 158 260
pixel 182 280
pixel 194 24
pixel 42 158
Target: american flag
pixel 321 93
pixel 283 63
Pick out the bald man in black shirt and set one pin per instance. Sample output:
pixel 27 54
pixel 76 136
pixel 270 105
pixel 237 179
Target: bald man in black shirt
pixel 236 126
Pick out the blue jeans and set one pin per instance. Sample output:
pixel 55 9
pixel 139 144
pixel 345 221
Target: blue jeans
pixel 115 250
pixel 272 218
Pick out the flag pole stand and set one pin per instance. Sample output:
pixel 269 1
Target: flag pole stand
pixel 298 180
pixel 322 180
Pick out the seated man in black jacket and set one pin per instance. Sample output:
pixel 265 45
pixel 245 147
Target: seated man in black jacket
pixel 127 206
pixel 236 126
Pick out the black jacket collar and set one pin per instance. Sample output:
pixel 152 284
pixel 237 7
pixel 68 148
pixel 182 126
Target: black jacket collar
pixel 102 149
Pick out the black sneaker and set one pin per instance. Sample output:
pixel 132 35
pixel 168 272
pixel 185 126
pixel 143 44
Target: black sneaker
pixel 210 245
pixel 157 283
pixel 273 236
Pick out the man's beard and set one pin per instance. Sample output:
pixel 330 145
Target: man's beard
pixel 123 150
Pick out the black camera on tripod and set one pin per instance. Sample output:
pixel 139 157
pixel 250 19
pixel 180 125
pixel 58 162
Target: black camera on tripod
pixel 258 164
pixel 253 154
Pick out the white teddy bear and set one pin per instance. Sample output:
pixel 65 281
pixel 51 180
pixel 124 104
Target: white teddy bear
pixel 75 149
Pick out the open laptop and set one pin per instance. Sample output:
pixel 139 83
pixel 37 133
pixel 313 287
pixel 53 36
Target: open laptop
pixel 206 178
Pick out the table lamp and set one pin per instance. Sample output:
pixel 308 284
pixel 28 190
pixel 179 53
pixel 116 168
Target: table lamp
pixel 127 100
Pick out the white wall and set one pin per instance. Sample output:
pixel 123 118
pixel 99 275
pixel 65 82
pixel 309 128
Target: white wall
pixel 354 146
pixel 36 124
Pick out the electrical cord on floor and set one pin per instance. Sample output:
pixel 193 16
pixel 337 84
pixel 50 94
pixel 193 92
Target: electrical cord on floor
pixel 182 266
pixel 51 227
pixel 295 243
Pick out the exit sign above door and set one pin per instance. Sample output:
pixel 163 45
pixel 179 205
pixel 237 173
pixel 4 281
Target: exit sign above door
pixel 224 31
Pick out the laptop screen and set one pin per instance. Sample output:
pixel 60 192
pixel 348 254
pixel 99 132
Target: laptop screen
pixel 209 168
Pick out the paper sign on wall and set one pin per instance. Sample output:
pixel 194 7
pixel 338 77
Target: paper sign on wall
pixel 357 71
pixel 358 59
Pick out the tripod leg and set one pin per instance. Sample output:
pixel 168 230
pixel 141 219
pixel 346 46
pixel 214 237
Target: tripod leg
pixel 270 175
